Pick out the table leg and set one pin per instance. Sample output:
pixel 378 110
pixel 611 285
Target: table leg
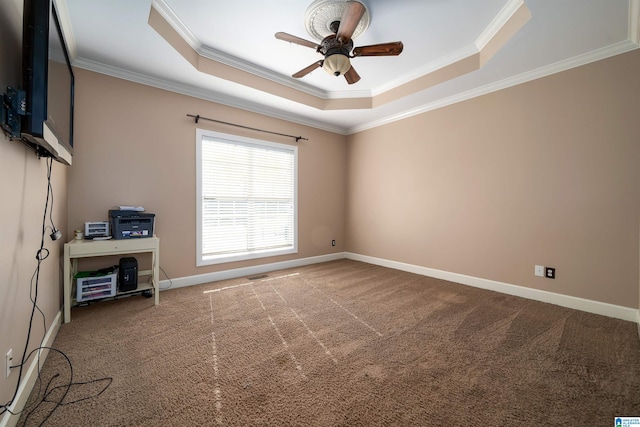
pixel 67 284
pixel 156 275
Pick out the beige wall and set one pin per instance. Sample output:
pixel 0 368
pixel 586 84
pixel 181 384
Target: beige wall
pixel 136 146
pixel 23 191
pixel 542 173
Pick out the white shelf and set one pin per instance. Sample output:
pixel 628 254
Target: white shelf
pixel 77 249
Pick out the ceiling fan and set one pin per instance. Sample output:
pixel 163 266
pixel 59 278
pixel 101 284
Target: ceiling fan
pixel 337 47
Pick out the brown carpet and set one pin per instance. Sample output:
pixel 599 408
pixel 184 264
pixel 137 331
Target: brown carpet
pixel 342 343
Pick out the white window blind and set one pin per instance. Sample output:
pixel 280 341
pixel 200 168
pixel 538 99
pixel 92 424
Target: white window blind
pixel 247 198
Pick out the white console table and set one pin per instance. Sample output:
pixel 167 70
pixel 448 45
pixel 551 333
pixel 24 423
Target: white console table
pixel 76 249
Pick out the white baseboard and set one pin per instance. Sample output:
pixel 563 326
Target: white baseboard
pixel 596 307
pixel 605 309
pixel 245 271
pixel 31 375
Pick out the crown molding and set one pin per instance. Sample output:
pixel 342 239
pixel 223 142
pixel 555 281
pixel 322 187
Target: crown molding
pixel 243 65
pixel 632 43
pixel 505 16
pixel 576 61
pixel 429 68
pixel 502 18
pixel 170 16
pixel 216 55
pixel 211 96
pixel 335 100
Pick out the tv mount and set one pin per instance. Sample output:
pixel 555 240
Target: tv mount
pixel 14 106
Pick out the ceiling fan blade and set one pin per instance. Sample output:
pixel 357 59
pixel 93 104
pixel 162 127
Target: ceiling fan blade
pixel 350 19
pixel 352 76
pixel 297 40
pixel 308 69
pixel 383 49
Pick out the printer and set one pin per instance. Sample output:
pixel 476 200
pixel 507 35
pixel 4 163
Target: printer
pixel 131 224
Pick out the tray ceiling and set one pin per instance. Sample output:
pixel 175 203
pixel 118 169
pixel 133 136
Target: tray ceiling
pixel 226 52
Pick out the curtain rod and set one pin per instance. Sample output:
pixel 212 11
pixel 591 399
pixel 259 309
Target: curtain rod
pixel 199 117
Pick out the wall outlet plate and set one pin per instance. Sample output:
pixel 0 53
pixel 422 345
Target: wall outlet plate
pixel 550 272
pixel 539 271
pixel 8 362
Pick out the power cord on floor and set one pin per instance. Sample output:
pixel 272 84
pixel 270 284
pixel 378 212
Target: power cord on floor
pixel 42 254
pixel 46 394
pixel 66 387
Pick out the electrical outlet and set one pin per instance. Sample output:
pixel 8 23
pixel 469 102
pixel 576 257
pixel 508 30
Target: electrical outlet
pixel 8 362
pixel 333 243
pixel 550 272
pixel 539 271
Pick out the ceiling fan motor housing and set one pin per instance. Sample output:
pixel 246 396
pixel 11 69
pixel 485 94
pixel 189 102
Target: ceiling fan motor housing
pixel 330 45
pixel 336 55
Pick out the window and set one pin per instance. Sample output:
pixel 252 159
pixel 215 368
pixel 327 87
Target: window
pixel 247 198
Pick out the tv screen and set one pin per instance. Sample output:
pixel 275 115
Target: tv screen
pixel 48 82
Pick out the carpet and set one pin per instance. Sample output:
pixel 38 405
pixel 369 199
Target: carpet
pixel 342 343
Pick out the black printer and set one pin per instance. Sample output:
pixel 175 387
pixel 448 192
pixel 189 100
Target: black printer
pixel 131 224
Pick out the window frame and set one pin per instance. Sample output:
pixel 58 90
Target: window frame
pixel 201 258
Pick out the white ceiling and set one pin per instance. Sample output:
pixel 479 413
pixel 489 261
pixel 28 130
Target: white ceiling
pixel 114 37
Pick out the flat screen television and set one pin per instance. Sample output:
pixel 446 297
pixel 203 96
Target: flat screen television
pixel 47 78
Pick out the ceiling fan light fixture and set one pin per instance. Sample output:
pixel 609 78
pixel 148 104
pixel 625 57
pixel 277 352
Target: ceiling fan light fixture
pixel 337 64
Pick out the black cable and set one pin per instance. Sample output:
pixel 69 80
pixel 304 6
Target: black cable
pixel 41 255
pixel 170 281
pixel 34 290
pixel 66 386
pixel 34 299
pixel 50 160
pixel 31 297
